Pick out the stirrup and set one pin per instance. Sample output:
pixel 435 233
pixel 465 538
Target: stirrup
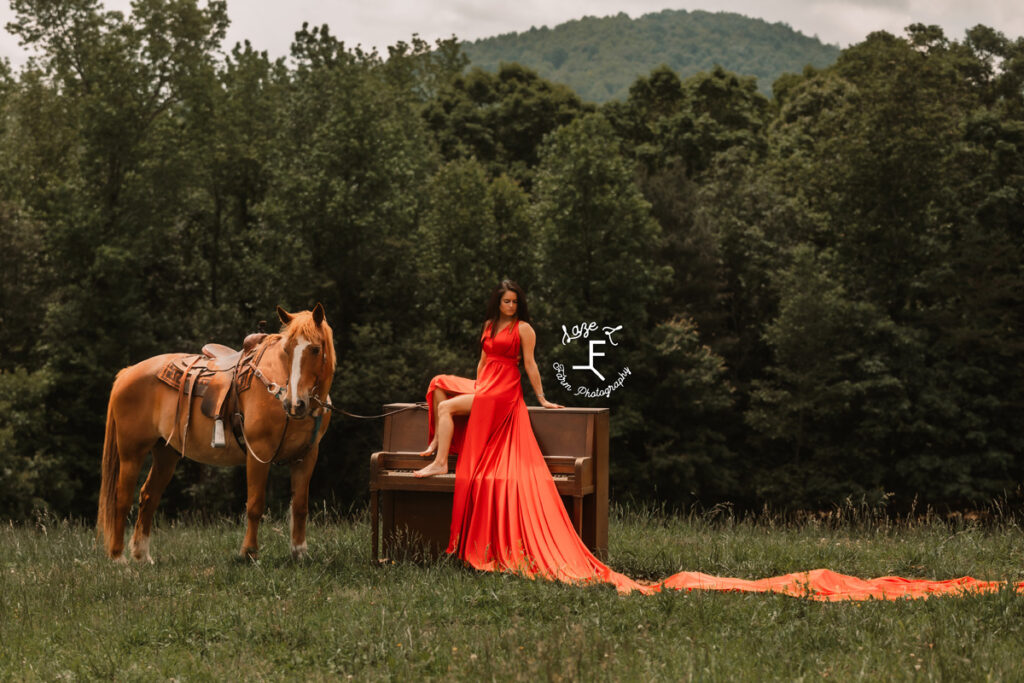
pixel 218 434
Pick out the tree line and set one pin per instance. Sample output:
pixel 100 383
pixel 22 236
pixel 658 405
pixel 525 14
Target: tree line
pixel 819 292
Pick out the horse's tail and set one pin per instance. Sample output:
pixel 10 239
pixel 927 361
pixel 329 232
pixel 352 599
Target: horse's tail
pixel 107 513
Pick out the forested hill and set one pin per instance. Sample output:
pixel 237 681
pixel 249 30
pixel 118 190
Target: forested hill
pixel 601 57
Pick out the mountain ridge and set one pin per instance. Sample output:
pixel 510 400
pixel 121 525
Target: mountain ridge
pixel 600 57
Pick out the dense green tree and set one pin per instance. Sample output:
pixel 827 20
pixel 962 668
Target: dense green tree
pixel 880 151
pixel 596 235
pixel 690 139
pixel 686 410
pixel 346 170
pixel 232 134
pixel 32 478
pixel 456 242
pixel 638 119
pixel 474 233
pixel 596 240
pixel 347 166
pixel 667 123
pixel 500 119
pixel 423 71
pixel 118 88
pixel 22 287
pixel 830 386
pixel 742 218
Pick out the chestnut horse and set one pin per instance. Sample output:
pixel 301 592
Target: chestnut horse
pixel 283 424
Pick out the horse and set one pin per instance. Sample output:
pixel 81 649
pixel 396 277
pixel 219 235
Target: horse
pixel 283 424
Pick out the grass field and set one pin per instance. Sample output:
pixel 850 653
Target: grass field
pixel 67 613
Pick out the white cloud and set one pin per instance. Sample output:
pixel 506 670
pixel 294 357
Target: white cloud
pixel 854 22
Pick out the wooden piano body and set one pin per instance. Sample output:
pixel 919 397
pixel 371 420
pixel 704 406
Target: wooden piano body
pixel 408 511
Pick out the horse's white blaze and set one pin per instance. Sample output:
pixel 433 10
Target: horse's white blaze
pixel 300 345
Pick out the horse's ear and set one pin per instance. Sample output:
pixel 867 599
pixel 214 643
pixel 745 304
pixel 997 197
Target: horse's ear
pixel 318 313
pixel 284 315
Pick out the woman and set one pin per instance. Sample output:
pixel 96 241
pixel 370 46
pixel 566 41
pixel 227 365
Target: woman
pixel 450 396
pixel 507 514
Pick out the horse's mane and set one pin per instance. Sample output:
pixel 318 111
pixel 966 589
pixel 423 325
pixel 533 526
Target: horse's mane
pixel 303 323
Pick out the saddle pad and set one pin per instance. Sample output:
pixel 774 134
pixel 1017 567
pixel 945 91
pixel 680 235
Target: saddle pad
pixel 174 371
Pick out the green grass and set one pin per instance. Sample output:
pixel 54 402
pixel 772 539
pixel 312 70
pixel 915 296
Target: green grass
pixel 199 614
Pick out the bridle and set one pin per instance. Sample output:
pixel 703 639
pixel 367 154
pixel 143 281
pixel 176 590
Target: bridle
pixel 279 392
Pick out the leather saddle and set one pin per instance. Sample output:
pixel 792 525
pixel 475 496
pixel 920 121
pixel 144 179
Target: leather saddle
pixel 217 375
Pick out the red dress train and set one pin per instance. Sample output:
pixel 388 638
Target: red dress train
pixel 507 514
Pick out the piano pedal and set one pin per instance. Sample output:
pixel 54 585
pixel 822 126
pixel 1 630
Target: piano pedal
pixel 218 434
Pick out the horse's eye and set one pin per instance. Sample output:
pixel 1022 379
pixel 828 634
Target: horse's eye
pixel 315 350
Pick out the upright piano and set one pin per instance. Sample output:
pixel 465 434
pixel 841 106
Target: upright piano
pixel 410 514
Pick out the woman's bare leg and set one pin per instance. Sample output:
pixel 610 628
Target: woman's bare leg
pixel 446 411
pixel 436 398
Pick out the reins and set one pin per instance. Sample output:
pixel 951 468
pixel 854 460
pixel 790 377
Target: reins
pixel 277 391
pixel 414 406
pixel 323 406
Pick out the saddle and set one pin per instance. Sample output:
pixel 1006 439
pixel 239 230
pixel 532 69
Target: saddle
pixel 217 375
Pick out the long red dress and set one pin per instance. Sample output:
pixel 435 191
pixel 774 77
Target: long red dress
pixel 507 514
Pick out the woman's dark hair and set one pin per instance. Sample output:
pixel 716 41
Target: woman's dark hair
pixel 494 304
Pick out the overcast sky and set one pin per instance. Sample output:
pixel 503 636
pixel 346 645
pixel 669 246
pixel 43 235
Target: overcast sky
pixel 271 24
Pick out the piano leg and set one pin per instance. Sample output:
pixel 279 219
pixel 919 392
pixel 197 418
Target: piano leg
pixel 577 514
pixel 375 524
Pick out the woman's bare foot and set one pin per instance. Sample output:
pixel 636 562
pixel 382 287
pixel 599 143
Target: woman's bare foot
pixel 430 449
pixel 432 469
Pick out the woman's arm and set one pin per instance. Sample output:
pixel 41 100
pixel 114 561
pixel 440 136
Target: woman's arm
pixel 529 340
pixel 480 365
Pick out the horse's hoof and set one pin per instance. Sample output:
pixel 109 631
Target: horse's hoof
pixel 300 552
pixel 140 551
pixel 119 559
pixel 251 554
